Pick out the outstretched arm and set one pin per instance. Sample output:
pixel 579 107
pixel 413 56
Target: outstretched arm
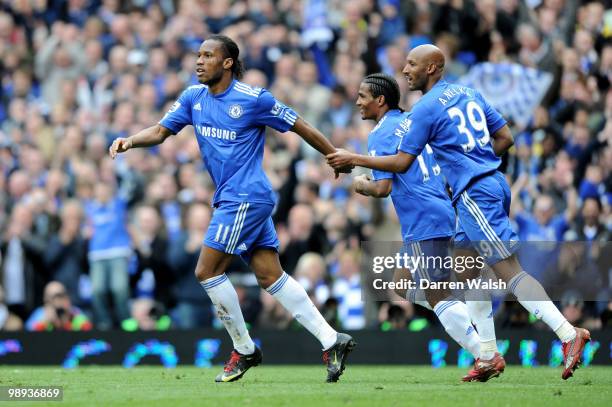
pixel 150 136
pixel 313 136
pixel 399 162
pixel 318 141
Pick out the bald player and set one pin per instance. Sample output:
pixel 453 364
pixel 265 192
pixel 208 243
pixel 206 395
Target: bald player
pixel 468 137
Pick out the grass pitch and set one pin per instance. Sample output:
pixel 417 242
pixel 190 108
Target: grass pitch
pixel 297 386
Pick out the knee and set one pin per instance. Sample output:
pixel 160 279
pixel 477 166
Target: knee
pixel 203 273
pixel 265 281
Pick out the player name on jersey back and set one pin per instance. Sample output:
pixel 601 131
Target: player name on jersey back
pixel 452 92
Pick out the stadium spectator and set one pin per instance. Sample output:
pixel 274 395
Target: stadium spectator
pixel 23 278
pixel 297 240
pixel 347 290
pixel 151 247
pixel 311 273
pixel 109 253
pixel 163 192
pixel 57 313
pixel 60 58
pixel 545 224
pixel 589 226
pixel 66 253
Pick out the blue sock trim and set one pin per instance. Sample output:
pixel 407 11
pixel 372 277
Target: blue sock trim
pixel 444 307
pixel 213 282
pixel 278 284
pixel 515 280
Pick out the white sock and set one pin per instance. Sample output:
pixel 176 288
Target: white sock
pixel 488 349
pixel 456 321
pixel 527 289
pixel 480 310
pixel 293 297
pixel 224 297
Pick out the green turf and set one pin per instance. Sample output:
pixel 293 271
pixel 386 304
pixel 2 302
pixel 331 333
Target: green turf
pixel 296 386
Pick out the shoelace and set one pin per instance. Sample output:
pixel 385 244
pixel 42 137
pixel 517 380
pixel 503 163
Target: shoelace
pixel 231 363
pixel 325 357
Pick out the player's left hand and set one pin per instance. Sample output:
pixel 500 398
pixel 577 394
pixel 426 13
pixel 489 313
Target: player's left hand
pixel 120 145
pixel 340 159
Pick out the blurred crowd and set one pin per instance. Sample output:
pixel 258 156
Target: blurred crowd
pixel 88 242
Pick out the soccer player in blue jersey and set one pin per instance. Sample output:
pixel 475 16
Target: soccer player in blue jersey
pixel 467 137
pixel 229 118
pixel 423 207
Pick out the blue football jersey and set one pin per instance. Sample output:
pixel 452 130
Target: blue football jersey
pixel 419 196
pixel 456 122
pixel 230 129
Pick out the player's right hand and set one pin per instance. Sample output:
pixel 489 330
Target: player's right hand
pixel 340 159
pixel 120 145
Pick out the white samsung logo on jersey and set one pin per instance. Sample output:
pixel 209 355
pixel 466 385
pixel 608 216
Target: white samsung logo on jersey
pixel 235 111
pixel 214 132
pixel 197 107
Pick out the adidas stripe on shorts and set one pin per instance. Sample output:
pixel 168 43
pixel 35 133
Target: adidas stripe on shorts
pixel 241 227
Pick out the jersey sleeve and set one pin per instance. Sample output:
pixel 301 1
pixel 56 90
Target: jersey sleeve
pixel 273 113
pixel 495 121
pixel 418 133
pixel 179 114
pixel 382 145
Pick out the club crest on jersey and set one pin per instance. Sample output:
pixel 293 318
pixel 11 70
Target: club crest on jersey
pixel 235 111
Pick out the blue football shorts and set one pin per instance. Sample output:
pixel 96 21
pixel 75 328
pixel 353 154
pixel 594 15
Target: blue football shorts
pixel 430 259
pixel 483 223
pixel 241 227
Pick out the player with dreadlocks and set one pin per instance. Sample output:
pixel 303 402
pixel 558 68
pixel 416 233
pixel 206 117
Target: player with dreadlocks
pixel 423 207
pixel 229 118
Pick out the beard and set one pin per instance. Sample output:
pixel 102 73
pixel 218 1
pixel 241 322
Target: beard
pixel 416 85
pixel 212 80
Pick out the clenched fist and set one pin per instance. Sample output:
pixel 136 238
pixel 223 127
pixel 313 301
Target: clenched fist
pixel 360 182
pixel 120 145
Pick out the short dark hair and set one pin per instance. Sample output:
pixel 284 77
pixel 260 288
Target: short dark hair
pixel 386 85
pixel 232 51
